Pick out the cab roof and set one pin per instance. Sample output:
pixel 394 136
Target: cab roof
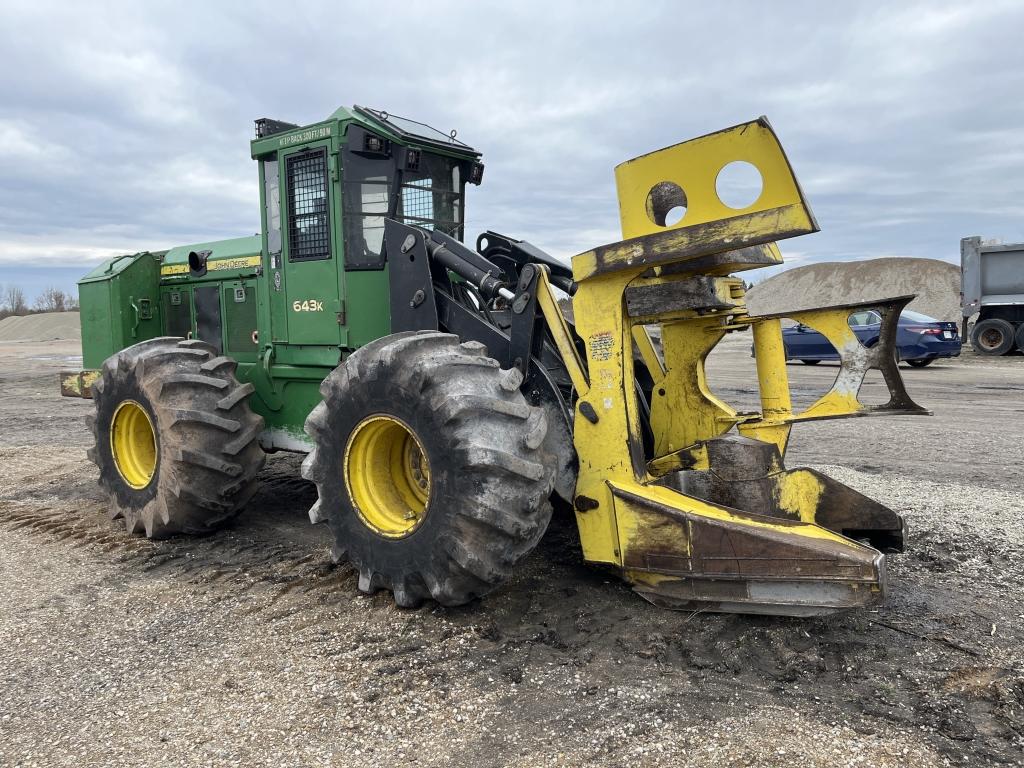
pixel 272 135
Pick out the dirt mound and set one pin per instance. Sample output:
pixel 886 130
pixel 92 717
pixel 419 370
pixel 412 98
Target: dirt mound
pixel 47 326
pixel 936 283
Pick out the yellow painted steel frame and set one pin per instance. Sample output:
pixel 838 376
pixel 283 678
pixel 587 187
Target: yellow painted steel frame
pixel 695 166
pixel 691 171
pixel 625 519
pixel 683 413
pixel 78 383
pixel 855 360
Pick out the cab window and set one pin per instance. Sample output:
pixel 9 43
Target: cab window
pixel 367 202
pixel 309 234
pixel 431 196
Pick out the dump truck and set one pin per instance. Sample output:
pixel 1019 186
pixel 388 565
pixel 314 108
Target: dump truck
pixel 992 288
pixel 445 404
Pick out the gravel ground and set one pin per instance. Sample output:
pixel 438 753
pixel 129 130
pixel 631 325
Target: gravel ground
pixel 250 648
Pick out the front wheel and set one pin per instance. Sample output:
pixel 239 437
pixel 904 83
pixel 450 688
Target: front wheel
pixel 430 468
pixel 921 362
pixel 810 362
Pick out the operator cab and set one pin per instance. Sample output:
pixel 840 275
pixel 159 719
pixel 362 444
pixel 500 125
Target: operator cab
pixel 408 171
pixel 327 190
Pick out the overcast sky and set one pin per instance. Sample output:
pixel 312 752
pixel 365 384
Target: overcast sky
pixel 126 126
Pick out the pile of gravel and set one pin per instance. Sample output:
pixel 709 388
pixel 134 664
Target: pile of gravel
pixel 47 326
pixel 936 284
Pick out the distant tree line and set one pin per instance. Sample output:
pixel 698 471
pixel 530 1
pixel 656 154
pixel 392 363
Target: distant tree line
pixel 13 301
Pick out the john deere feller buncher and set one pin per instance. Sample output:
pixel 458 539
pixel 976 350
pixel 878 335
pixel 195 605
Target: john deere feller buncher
pixel 443 398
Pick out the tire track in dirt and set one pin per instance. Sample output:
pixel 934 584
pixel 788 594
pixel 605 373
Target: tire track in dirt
pixel 558 615
pixel 276 572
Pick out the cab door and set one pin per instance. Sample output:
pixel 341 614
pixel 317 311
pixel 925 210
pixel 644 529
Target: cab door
pixel 309 297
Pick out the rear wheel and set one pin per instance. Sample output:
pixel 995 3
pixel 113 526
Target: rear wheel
pixel 430 467
pixel 810 362
pixel 920 362
pixel 1020 337
pixel 992 337
pixel 174 438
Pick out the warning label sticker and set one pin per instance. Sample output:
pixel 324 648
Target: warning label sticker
pixel 600 345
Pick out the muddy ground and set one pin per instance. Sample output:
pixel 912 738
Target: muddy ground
pixel 250 648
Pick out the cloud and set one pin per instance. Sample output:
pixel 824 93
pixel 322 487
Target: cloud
pixel 50 252
pixel 20 147
pixel 125 126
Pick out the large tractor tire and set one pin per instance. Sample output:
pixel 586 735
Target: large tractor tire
pixel 430 467
pixel 175 441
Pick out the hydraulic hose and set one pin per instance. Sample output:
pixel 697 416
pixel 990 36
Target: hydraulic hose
pixel 453 255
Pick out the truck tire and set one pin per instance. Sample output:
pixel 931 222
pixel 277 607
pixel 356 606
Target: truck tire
pixel 174 438
pixel 992 337
pixel 1020 337
pixel 430 468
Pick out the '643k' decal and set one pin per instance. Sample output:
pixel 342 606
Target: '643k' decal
pixel 309 305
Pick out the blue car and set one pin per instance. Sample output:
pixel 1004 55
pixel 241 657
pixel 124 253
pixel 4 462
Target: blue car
pixel 920 339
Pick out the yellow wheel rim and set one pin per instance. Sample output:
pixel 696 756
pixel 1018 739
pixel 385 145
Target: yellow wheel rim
pixel 133 444
pixel 387 476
